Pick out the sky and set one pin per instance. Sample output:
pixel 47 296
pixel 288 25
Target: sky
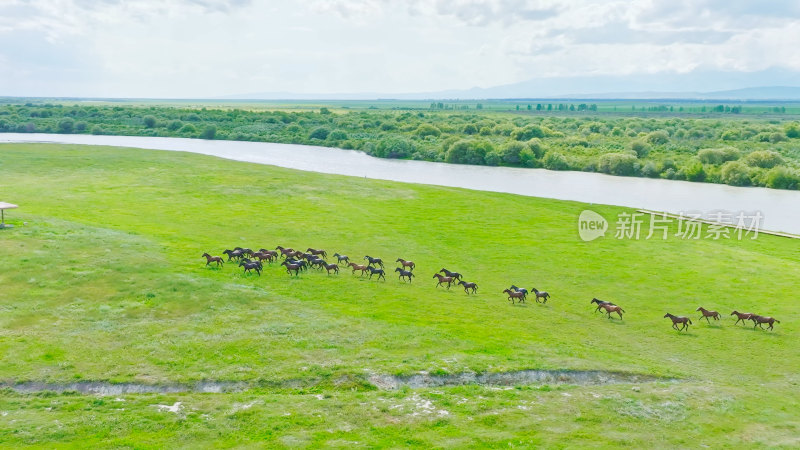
pixel 213 48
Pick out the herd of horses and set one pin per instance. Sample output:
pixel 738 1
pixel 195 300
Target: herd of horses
pixel 296 261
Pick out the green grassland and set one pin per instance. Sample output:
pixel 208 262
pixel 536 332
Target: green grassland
pixel 106 283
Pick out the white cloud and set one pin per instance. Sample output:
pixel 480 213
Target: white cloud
pixel 200 48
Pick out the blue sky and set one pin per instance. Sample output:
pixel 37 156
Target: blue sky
pixel 208 48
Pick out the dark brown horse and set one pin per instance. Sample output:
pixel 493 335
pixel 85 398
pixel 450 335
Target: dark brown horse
pixel 333 267
pixel 216 259
pixel 292 267
pixel 454 275
pixel 261 256
pixel 612 308
pixel 251 265
pixel 317 252
pixel 742 316
pixel 362 267
pixel 468 286
pixel 541 294
pixel 512 295
pixel 443 279
pixel 404 274
pixel 676 320
pixel 233 254
pixel 285 252
pixel 270 252
pixel 404 263
pixel 706 313
pixel 758 320
pixel 341 258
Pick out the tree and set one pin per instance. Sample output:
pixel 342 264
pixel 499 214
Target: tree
pixel 337 135
pixel 555 161
pixel 470 128
pixel 320 133
pixel 793 130
pixel 618 164
pixel 175 125
pixel 394 147
pixel 658 137
pixel 782 178
pixel 528 132
pixel 765 159
pixel 468 152
pixel 149 121
pixel 510 153
pixel 209 132
pixel 717 156
pixel 427 129
pixel 640 148
pixel 66 125
pixel 735 173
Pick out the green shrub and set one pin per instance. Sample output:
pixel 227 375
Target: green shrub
pixel 209 132
pixel 640 148
pixel 765 159
pixel 735 173
pixel 618 164
pixel 320 133
pixel 782 178
pixel 337 135
pixel 468 152
pixel 536 147
pixel 175 125
pixel 96 130
pixel 717 156
pixel 650 170
pixel 555 161
pixel 427 129
pixel 66 125
pixel 188 128
pixel 394 147
pixel 510 153
pixel 658 137
pixel 528 132
pixel 793 130
pixel 149 121
pixel 693 171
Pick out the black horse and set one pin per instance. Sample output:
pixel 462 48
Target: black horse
pixel 468 286
pixel 519 289
pixel 380 272
pixel 541 294
pixel 251 265
pixel 303 265
pixel 404 274
pixel 318 263
pixel 233 254
pixel 292 267
pixel 341 258
pixel 374 261
pixel 453 275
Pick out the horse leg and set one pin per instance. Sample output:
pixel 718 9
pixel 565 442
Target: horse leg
pixel 707 320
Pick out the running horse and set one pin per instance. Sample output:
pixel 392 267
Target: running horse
pixel 541 294
pixel 404 263
pixel 333 267
pixel 316 252
pixel 468 286
pixel 612 308
pixel 515 295
pixel 210 259
pixel 374 261
pixel 233 254
pixel 443 279
pixel 404 274
pixel 676 320
pixel 292 267
pixel 742 316
pixel 380 272
pixel 285 252
pixel 341 258
pixel 362 267
pixel 706 314
pixel 454 275
pixel 600 303
pixel 758 320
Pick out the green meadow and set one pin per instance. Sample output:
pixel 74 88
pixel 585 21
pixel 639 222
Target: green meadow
pixel 102 280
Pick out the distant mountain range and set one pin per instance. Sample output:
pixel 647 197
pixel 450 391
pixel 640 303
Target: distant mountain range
pixel 773 84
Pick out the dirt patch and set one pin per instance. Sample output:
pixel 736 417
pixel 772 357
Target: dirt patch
pixel 107 388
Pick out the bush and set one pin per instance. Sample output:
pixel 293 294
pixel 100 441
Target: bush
pixel 510 153
pixel 777 137
pixel 693 171
pixel 320 133
pixel 528 132
pixel 658 137
pixel 80 127
pixel 470 129
pixel 493 158
pixel 188 129
pixel 618 164
pixel 782 178
pixel 717 156
pixel 766 159
pixel 467 152
pixel 555 161
pixel 640 148
pixel 66 125
pixel 793 130
pixel 337 135
pixel 731 135
pixel 427 129
pixel 650 170
pixel 735 173
pixel 209 132
pixel 294 128
pixel 149 121
pixel 175 125
pixel 536 147
pixel 394 147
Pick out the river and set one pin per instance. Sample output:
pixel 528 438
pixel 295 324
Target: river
pixel 780 209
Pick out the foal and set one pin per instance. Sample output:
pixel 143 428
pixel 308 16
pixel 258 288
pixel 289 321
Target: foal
pixel 676 320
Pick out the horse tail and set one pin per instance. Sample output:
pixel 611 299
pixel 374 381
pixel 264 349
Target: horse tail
pixel 690 321
pixel 776 320
pixel 622 310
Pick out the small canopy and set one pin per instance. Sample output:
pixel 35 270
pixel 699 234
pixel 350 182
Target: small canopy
pixel 3 207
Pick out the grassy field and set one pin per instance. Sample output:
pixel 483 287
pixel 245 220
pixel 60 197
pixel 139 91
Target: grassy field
pixel 106 282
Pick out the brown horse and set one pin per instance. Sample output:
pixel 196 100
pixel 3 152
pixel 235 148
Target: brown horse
pixel 676 320
pixel 216 259
pixel 285 252
pixel 758 320
pixel 600 303
pixel 271 252
pixel 515 295
pixel 706 313
pixel 316 252
pixel 404 263
pixel 333 267
pixel 261 256
pixel 612 308
pixel 362 267
pixel 468 286
pixel 742 316
pixel 443 279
